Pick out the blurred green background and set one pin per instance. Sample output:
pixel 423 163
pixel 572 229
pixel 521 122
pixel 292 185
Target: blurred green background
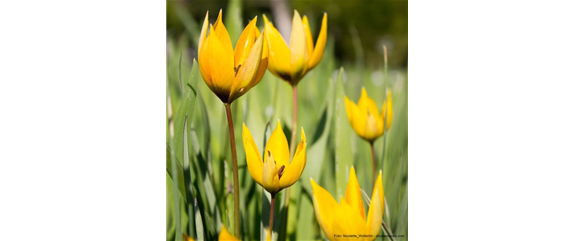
pixel 198 157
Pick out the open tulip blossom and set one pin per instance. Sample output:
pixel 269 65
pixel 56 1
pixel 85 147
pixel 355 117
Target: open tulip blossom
pixel 292 62
pixel 346 220
pixel 228 73
pixel 365 119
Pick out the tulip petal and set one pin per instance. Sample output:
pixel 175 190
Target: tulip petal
pixel 367 104
pixel 374 124
pixel 245 43
pixel 347 221
pixel 353 194
pixel 216 66
pixel 294 170
pixel 225 235
pixel 375 216
pixel 359 120
pixel 270 177
pixel 279 53
pixel 388 103
pixel 349 108
pixel 379 187
pixel 277 145
pixel 319 45
pixel 308 36
pixel 203 33
pixel 325 207
pixel 253 156
pixel 246 77
pixel 298 46
pixel 222 34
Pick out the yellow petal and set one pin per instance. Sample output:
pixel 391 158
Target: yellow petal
pixel 373 128
pixel 325 206
pixel 298 46
pixel 375 216
pixel 245 43
pixel 348 221
pixel 294 170
pixel 366 103
pixel 225 235
pixel 308 36
pixel 253 157
pixel 374 125
pixel 388 103
pixel 222 34
pixel 279 53
pixel 353 193
pixel 203 33
pixel 349 108
pixel 246 77
pixel 359 119
pixel 216 66
pixel 379 187
pixel 277 145
pixel 270 177
pixel 319 45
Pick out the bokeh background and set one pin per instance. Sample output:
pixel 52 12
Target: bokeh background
pixel 199 170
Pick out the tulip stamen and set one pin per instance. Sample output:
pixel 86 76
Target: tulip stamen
pixel 237 69
pixel 281 169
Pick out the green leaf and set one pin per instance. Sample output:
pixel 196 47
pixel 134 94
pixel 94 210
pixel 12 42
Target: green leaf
pixel 342 129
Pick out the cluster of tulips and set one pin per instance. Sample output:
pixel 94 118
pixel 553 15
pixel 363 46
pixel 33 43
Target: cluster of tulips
pixel 231 73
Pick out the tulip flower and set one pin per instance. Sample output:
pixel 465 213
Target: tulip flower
pixel 187 238
pixel 228 73
pixel 225 235
pixel 365 119
pixel 292 62
pixel 275 172
pixel 346 219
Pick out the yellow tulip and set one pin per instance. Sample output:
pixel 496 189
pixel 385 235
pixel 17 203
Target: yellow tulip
pixel 292 62
pixel 225 235
pixel 275 172
pixel 228 73
pixel 365 119
pixel 346 219
pixel 187 238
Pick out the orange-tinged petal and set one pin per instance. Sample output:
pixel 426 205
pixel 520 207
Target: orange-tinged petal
pixel 353 194
pixel 225 235
pixel 388 103
pixel 277 145
pixel 216 66
pixel 279 53
pixel 246 77
pixel 375 216
pixel 270 174
pixel 222 34
pixel 298 47
pixel 203 33
pixel 245 43
pixel 325 206
pixel 253 156
pixel 319 45
pixel 294 170
pixel 348 221
pixel 308 36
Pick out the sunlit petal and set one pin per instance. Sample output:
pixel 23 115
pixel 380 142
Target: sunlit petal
pixel 294 170
pixel 216 66
pixel 253 156
pixel 388 103
pixel 279 53
pixel 319 45
pixel 325 206
pixel 225 235
pixel 247 74
pixel 245 43
pixel 277 145
pixel 347 221
pixel 298 47
pixel 203 33
pixel 270 177
pixel 222 34
pixel 353 193
pixel 375 216
pixel 308 36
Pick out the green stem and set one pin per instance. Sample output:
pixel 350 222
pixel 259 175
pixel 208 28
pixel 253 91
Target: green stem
pixel 271 216
pixel 374 161
pixel 235 171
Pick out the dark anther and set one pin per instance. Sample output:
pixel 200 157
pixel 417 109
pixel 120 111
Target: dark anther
pixel 237 69
pixel 281 171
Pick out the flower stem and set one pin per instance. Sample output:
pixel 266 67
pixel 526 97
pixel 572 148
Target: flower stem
pixel 374 161
pixel 271 216
pixel 294 131
pixel 235 171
